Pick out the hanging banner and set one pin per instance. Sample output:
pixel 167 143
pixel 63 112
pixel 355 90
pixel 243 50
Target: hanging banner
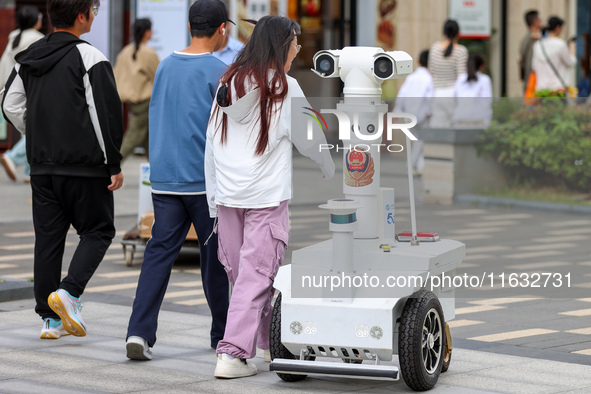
pixel 170 24
pixel 473 16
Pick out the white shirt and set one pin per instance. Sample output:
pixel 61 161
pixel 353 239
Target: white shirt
pixel 473 101
pixel 7 62
pixel 415 95
pixel 563 61
pixel 235 176
pixel 230 51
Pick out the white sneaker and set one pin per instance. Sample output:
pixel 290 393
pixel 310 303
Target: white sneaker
pixel 138 349
pixel 9 166
pixel 230 368
pixel 52 329
pixel 68 309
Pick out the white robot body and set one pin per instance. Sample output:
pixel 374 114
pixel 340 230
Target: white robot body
pixel 359 323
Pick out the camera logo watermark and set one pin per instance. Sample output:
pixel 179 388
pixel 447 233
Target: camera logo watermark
pixel 374 133
pixel 316 115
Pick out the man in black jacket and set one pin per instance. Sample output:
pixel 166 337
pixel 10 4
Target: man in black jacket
pixel 62 94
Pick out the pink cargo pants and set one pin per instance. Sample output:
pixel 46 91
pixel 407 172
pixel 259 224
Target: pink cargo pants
pixel 251 249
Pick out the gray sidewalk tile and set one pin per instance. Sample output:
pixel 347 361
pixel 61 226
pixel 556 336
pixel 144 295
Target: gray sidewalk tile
pixel 183 365
pixel 27 360
pixel 117 379
pixel 16 386
pixel 558 343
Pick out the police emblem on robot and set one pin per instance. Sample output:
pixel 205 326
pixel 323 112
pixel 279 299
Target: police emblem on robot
pixel 359 168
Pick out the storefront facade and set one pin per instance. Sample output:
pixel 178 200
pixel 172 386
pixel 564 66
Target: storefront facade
pixel 392 24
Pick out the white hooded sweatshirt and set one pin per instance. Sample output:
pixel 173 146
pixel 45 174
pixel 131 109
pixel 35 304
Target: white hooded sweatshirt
pixel 235 176
pixel 7 61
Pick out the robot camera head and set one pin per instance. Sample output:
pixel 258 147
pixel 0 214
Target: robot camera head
pixel 362 69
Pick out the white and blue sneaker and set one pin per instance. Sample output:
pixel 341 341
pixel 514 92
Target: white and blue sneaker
pixel 68 309
pixel 138 349
pixel 52 329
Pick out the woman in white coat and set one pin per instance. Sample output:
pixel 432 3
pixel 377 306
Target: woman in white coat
pixel 473 92
pixel 29 21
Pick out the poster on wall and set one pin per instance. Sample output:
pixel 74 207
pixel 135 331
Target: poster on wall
pixel 311 14
pixel 255 10
pixel 99 35
pixel 386 36
pixel 473 16
pixel 386 31
pixel 170 31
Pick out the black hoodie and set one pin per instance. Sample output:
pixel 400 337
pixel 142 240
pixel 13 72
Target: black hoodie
pixel 62 95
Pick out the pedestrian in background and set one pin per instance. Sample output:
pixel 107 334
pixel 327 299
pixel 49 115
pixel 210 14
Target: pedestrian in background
pixel 415 97
pixel 447 60
pixel 230 48
pixel 73 122
pixel 473 92
pixel 526 48
pixel 553 59
pixel 29 21
pixel 248 172
pixel 179 111
pixel 134 70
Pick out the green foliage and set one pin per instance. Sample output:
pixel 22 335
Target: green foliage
pixel 504 108
pixel 547 144
pixel 550 93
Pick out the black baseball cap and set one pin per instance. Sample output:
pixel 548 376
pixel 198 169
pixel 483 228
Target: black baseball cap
pixel 207 13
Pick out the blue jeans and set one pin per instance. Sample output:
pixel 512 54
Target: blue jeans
pixel 173 215
pixel 18 154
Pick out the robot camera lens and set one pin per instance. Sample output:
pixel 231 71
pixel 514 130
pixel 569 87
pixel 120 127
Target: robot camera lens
pixel 383 67
pixel 325 65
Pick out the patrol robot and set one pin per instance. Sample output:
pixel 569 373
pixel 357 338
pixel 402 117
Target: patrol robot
pixel 366 324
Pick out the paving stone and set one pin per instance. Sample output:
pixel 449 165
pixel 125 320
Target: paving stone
pixel 22 386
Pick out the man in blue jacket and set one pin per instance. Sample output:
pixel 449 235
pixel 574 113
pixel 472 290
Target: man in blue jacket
pixel 62 94
pixel 182 96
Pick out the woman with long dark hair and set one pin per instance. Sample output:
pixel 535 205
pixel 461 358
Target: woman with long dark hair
pixel 248 168
pixel 473 92
pixel 447 60
pixel 29 21
pixel 134 71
